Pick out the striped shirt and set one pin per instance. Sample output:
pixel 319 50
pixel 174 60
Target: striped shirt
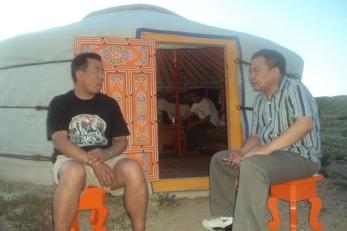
pixel 273 116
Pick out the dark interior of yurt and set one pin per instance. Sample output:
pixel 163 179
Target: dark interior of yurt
pixel 180 69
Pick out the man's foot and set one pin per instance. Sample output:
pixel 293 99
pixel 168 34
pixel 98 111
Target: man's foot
pixel 218 223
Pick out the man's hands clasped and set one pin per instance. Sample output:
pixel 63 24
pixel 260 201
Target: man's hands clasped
pixel 96 159
pixel 235 156
pixel 97 156
pixel 105 175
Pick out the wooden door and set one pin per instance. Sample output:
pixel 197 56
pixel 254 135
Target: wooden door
pixel 130 79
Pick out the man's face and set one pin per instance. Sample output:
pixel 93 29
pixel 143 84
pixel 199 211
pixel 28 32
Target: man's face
pixel 92 78
pixel 261 77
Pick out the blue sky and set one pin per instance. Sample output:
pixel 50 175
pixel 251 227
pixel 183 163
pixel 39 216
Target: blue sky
pixel 315 29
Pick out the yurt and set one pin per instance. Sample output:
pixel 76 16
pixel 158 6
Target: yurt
pixel 152 57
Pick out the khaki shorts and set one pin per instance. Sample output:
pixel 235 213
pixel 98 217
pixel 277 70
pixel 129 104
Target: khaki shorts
pixel 91 179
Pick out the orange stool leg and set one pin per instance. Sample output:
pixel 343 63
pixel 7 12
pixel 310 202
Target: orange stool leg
pixel 93 217
pixel 316 205
pixel 272 205
pixel 75 225
pixel 93 200
pixel 98 218
pixel 293 216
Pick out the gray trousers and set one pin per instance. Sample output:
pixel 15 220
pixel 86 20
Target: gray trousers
pixel 256 174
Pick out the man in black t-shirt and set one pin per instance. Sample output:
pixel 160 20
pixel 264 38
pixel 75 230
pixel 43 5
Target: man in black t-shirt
pixel 89 135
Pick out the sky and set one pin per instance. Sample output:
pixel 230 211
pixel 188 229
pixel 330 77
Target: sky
pixel 314 29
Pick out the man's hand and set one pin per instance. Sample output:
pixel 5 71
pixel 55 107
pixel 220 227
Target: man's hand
pixel 104 174
pixel 97 156
pixel 234 158
pixel 258 150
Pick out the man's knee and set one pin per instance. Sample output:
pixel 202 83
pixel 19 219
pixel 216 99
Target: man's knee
pixel 218 157
pixel 251 167
pixel 72 173
pixel 129 169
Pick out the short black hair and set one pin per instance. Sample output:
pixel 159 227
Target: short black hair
pixel 80 62
pixel 273 59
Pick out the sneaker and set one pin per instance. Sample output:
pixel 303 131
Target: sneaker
pixel 218 223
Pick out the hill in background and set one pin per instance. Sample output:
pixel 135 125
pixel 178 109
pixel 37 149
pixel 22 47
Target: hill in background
pixel 332 105
pixel 333 120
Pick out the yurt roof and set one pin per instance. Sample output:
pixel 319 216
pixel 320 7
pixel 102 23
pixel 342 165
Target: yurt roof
pixel 134 7
pixel 56 44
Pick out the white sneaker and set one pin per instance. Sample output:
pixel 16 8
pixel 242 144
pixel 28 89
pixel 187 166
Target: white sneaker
pixel 217 223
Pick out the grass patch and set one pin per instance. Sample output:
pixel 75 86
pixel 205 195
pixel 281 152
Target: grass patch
pixel 340 178
pixel 344 117
pixel 166 200
pixel 122 220
pixel 326 159
pixel 28 212
pixel 118 218
pixel 339 156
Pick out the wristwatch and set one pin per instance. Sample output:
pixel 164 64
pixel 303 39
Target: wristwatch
pixel 110 154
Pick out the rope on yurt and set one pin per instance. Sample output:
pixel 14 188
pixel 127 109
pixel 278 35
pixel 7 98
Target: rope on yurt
pixel 26 157
pixel 34 64
pixel 38 108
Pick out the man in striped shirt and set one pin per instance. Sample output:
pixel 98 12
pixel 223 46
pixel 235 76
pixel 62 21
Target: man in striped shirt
pixel 284 146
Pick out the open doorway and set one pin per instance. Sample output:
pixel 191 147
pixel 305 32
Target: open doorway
pixel 181 69
pixel 232 95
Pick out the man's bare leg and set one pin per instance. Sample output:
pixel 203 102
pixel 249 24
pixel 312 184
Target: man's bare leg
pixel 67 195
pixel 130 175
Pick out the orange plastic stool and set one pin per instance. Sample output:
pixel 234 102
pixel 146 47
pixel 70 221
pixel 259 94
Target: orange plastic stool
pixel 293 191
pixel 92 199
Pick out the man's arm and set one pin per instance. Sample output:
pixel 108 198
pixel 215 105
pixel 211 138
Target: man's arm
pixel 97 155
pixel 301 127
pixel 62 143
pixel 236 155
pixel 250 143
pixel 119 144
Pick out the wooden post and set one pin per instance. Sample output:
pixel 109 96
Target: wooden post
pixel 177 60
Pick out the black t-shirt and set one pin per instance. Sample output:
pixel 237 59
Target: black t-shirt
pixel 90 123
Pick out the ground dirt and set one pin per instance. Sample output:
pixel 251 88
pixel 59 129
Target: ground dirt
pixel 27 206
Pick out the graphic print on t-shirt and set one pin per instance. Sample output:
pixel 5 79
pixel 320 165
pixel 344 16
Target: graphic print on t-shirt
pixel 87 130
